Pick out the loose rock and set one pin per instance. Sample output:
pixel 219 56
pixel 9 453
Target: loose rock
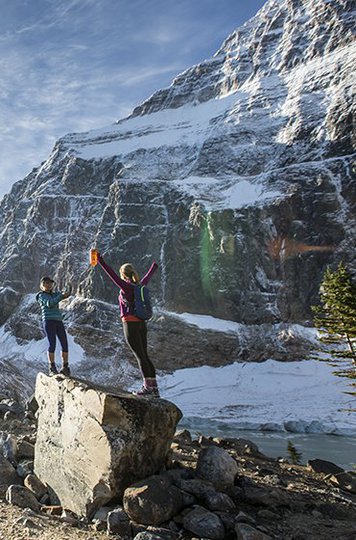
pixel 217 466
pixel 247 532
pixel 152 501
pixel 204 523
pixel 21 496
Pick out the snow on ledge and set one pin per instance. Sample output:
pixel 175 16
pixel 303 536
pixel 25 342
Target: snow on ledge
pixel 208 322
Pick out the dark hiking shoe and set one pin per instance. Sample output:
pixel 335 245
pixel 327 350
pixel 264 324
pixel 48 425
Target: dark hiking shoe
pixel 147 392
pixel 65 371
pixel 52 370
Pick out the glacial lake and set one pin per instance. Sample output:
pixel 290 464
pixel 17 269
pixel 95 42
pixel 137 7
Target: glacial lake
pixel 338 449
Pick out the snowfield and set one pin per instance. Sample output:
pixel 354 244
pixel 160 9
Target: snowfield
pixel 297 397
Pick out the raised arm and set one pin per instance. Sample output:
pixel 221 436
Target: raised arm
pixel 112 275
pixel 146 278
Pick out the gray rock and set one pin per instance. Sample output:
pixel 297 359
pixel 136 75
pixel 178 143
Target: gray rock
pixel 219 501
pixel 28 523
pixel 266 496
pixel 9 406
pixel 227 519
pixel 10 449
pixel 247 532
pixel 100 517
pixel 118 523
pixel 197 487
pixel 31 406
pixel 188 499
pixel 25 467
pixel 97 441
pixel 35 486
pixel 203 523
pixel 217 466
pixel 271 516
pixel 242 517
pixel 324 467
pixel 25 450
pixel 23 497
pixel 241 446
pixel 182 436
pixel 158 532
pixel 177 475
pixel 103 513
pixel 146 535
pixel 9 299
pixel 69 517
pixel 344 481
pixel 45 499
pixel 8 475
pixel 152 501
pixel 10 416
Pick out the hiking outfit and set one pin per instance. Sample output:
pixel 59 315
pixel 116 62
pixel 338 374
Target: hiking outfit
pixel 52 320
pixel 135 329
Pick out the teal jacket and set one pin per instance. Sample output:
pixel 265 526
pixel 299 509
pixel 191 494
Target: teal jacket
pixel 49 305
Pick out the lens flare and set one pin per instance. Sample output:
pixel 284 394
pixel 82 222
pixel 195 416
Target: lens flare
pixel 284 248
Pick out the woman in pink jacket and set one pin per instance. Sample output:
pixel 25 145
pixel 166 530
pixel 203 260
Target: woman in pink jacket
pixel 135 329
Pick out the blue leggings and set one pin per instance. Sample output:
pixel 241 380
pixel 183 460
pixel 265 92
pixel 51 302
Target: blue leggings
pixel 55 329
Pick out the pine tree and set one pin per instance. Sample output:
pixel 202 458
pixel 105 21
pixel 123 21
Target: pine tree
pixel 336 316
pixel 294 456
pixel 336 320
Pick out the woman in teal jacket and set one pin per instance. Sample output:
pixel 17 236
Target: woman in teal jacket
pixel 53 323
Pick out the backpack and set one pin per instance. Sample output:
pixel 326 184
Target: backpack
pixel 141 305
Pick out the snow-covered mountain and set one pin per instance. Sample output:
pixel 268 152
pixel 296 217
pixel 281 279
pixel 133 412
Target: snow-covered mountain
pixel 237 179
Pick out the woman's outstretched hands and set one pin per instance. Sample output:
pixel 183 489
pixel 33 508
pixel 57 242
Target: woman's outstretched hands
pixel 67 292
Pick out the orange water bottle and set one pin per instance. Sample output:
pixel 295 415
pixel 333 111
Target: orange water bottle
pixel 93 257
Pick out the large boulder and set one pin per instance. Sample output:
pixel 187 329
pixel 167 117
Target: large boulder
pixel 92 443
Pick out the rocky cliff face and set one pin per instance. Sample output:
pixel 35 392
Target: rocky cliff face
pixel 237 179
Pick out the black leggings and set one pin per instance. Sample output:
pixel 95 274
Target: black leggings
pixel 136 337
pixel 55 329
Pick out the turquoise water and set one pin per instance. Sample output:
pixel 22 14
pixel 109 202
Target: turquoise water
pixel 338 449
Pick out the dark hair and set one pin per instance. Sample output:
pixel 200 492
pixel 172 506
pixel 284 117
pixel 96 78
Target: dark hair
pixel 46 279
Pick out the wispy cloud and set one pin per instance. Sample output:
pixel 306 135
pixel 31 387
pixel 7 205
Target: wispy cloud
pixel 75 65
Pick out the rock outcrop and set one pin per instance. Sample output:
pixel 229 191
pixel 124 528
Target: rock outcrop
pixel 91 443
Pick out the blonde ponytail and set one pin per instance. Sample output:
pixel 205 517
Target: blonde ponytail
pixel 127 271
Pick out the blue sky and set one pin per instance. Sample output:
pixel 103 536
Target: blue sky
pixel 75 65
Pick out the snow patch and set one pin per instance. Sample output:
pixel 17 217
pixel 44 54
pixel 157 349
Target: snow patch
pixel 35 352
pixel 207 322
pixel 215 193
pixel 298 397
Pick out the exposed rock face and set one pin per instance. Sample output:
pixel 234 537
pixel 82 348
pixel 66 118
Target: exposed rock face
pixel 91 444
pixel 237 179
